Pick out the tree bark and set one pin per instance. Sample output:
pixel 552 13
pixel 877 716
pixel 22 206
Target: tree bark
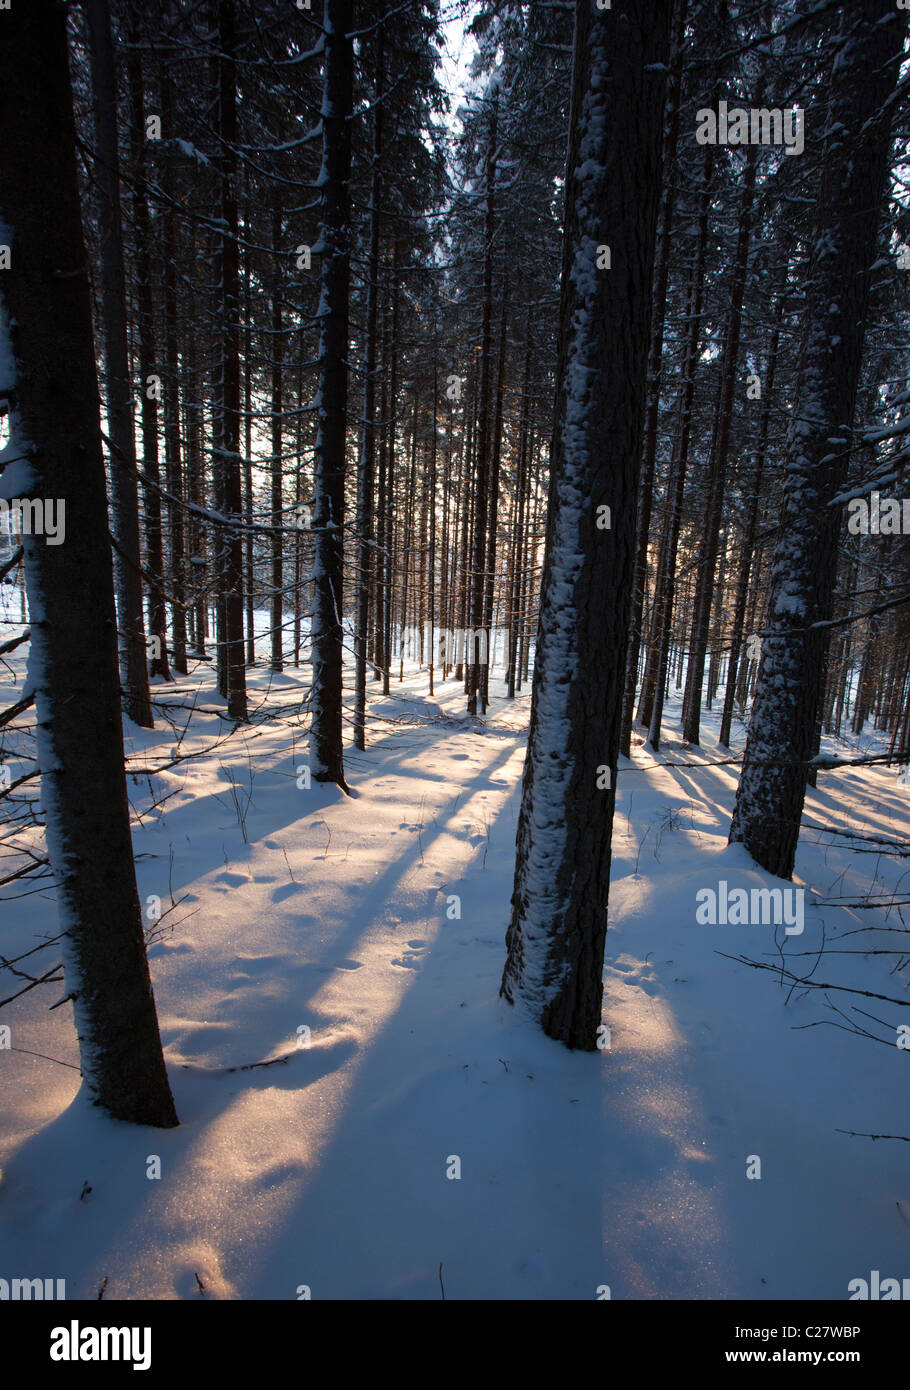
pixel 654 676
pixel 655 362
pixel 479 558
pixel 328 519
pixel 55 416
pixel 555 940
pixel 366 476
pixel 751 526
pixel 276 619
pixel 771 792
pixel 154 546
pixel 227 450
pixel 124 487
pixel 717 472
pixel 173 450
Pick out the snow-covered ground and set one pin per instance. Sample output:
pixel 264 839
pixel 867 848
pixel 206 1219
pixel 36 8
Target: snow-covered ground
pixel 377 923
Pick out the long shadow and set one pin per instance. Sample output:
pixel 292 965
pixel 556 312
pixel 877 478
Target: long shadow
pixel 455 1079
pixel 204 1097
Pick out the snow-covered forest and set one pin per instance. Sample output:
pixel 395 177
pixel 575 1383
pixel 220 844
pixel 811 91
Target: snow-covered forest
pixel 454 650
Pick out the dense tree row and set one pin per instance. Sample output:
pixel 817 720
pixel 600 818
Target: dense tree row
pixel 330 316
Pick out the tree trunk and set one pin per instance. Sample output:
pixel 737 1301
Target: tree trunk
pixel 653 681
pixel 479 558
pixel 328 520
pixel 518 516
pixel 367 468
pixel 555 940
pixel 751 526
pixel 655 360
pixel 173 451
pixel 493 518
pixel 388 452
pixel 431 490
pixel 249 542
pixel 276 618
pixel 149 390
pixel 771 792
pixel 55 418
pixel 124 488
pixel 707 558
pixel 227 450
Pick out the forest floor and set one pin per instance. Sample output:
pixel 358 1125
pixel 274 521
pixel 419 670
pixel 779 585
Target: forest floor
pixel 329 1171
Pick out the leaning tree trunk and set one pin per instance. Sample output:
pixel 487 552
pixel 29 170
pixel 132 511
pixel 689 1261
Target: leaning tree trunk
pixel 556 936
pixel 769 800
pixel 55 416
pixel 124 489
pixel 328 513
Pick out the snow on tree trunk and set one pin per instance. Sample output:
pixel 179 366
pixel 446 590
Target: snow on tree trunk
pixel 331 398
pixel 769 800
pixel 556 936
pixel 48 375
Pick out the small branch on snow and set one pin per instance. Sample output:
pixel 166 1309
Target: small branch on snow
pixel 858 1134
